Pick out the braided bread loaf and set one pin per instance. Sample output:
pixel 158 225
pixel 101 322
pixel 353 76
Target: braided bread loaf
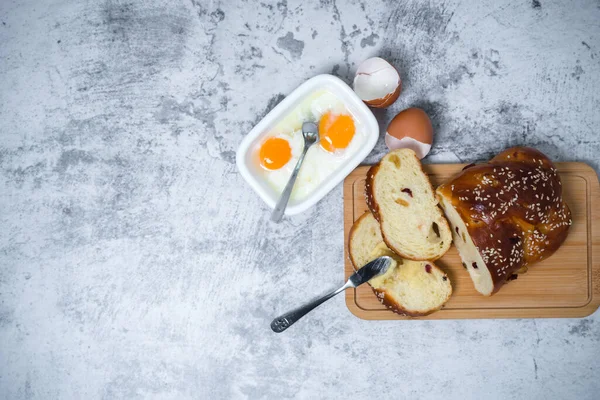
pixel 505 215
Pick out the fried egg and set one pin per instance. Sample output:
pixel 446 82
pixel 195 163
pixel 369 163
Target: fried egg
pixel 279 149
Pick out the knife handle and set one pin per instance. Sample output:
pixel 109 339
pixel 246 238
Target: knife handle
pixel 286 320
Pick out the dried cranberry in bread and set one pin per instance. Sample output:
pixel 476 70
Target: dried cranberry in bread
pixel 506 215
pixel 401 198
pixel 413 288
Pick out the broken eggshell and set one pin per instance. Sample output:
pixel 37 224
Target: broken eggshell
pixel 377 82
pixel 410 129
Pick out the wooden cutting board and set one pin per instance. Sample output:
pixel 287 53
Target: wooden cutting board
pixel 565 285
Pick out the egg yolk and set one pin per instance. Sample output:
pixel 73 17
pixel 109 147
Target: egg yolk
pixel 336 131
pixel 275 153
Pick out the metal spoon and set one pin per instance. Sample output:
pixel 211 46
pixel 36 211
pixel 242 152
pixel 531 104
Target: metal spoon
pixel 310 132
pixel 376 267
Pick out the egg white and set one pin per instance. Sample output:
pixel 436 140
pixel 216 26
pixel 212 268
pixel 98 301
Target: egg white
pixel 319 164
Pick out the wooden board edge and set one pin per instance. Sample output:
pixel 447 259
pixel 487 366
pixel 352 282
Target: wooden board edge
pixel 354 308
pixel 386 315
pixel 348 209
pixel 595 235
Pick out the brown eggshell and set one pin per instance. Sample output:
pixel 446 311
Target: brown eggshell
pixel 414 123
pixel 387 100
pixel 412 129
pixel 377 82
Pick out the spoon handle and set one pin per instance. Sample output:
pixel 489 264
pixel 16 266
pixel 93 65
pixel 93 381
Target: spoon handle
pixel 286 320
pixel 285 195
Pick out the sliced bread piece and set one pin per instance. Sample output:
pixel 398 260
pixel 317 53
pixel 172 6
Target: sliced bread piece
pixel 413 288
pixel 365 235
pixel 401 198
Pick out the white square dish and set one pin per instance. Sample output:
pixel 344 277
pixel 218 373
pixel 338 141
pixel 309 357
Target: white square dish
pixel 361 114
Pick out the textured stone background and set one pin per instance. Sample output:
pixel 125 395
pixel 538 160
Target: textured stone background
pixel 136 263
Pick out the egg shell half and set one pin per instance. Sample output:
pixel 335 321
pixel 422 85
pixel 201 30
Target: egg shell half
pixel 421 149
pixel 377 82
pixel 411 129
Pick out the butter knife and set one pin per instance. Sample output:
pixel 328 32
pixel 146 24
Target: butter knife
pixel 372 269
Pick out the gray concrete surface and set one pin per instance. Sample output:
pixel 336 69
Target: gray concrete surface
pixel 136 263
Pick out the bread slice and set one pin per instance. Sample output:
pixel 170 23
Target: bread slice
pixel 401 198
pixel 365 235
pixel 468 251
pixel 413 288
